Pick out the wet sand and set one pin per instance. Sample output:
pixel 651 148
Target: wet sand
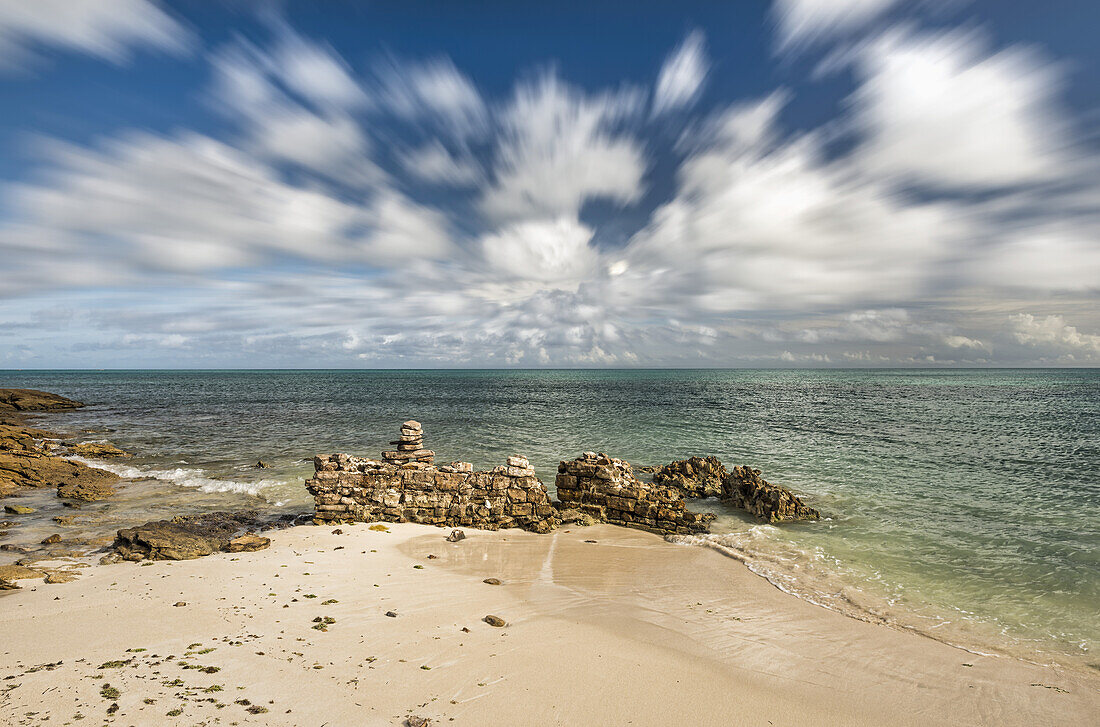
pixel 629 630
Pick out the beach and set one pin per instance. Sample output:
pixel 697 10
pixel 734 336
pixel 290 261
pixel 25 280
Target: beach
pixel 603 626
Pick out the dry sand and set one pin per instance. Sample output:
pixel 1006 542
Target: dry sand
pixel 628 630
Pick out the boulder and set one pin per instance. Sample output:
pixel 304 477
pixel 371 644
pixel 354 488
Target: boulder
pixel 18 509
pixel 695 476
pixel 183 538
pixel 248 543
pixel 9 574
pixel 97 449
pixel 745 488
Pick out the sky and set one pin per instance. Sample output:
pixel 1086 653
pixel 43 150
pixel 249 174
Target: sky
pixel 797 183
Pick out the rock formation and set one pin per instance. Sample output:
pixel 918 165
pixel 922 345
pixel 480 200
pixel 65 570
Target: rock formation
pixel 405 486
pixel 102 450
pixel 745 488
pixel 410 446
pixel 742 487
pixel 27 459
pixel 18 400
pixel 695 476
pixel 192 536
pixel 606 489
pixel 24 464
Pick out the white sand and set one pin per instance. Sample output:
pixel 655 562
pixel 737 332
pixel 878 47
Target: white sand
pixel 627 631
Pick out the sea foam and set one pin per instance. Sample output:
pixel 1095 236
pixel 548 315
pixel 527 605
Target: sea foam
pixel 185 477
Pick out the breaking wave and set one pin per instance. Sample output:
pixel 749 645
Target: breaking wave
pixel 186 477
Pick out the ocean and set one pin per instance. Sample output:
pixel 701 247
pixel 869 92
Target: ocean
pixel 964 504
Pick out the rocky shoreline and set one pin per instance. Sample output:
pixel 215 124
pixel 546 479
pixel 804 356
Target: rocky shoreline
pixel 30 458
pixel 403 485
pixel 406 486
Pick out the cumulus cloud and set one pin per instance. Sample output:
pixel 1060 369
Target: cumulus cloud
pixel 938 109
pixel 682 75
pixel 1053 335
pixel 560 147
pixel 109 29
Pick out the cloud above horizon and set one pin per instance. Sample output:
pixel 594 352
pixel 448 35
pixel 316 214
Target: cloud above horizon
pixel 393 212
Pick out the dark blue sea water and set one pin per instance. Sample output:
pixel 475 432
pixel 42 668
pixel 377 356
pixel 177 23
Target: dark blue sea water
pixel 965 504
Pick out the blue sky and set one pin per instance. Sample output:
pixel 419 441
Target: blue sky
pixel 788 183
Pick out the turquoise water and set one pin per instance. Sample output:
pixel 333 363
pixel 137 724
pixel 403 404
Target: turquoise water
pixel 965 504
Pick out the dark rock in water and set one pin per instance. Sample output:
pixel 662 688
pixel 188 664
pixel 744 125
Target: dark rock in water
pixel 455 536
pixel 745 488
pixel 18 509
pixel 55 538
pixel 34 400
pixel 493 581
pixel 185 537
pixel 494 621
pixel 391 614
pixel 261 465
pixel 695 476
pixel 180 604
pixel 248 543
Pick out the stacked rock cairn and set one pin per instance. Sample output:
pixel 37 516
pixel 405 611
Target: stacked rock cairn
pixel 410 446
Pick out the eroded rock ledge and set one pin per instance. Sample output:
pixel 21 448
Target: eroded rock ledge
pixel 607 489
pixel 28 456
pixel 742 487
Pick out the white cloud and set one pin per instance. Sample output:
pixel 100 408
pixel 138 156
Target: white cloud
pixel 1053 334
pixel 559 149
pixel 174 204
pixel 105 28
pixel 804 22
pixel 760 223
pixel 435 164
pixel 435 91
pixel 403 232
pixel 315 72
pixel 936 109
pixel 548 251
pixel 682 75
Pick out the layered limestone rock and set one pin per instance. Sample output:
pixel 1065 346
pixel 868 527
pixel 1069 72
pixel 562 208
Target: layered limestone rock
pixel 606 489
pixel 351 489
pixel 410 489
pixel 745 488
pixel 28 457
pixel 695 476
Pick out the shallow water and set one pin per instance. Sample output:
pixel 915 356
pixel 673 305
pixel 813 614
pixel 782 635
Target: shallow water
pixel 962 503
